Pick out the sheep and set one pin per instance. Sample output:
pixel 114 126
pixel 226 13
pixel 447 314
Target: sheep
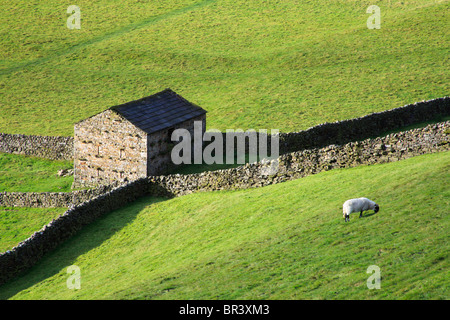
pixel 358 205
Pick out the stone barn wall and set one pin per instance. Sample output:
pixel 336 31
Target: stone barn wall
pixel 159 146
pixel 108 148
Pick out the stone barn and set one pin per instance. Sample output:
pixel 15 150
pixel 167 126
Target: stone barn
pixel 131 140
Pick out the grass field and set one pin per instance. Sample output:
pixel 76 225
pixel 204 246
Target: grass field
pixel 17 224
pixel 285 241
pixel 19 173
pixel 285 64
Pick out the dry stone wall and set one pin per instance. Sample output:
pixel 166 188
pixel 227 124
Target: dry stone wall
pixel 294 165
pixel 369 126
pixel 54 148
pixel 52 199
pixel 393 147
pixel 30 251
pixel 35 199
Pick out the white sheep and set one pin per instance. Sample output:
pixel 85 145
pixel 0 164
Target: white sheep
pixel 358 205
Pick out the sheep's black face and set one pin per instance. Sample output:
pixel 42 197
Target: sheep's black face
pixel 377 208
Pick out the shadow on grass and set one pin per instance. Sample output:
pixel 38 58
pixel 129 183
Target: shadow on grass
pixel 198 168
pixel 436 119
pixel 368 215
pixel 64 255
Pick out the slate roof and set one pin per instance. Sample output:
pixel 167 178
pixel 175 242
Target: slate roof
pixel 159 111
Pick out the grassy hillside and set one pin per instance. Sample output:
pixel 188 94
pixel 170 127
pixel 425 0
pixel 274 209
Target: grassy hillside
pixel 285 64
pixel 19 173
pixel 17 224
pixel 285 241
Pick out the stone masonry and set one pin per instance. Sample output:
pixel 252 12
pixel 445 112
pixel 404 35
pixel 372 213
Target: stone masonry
pixel 107 147
pixel 131 141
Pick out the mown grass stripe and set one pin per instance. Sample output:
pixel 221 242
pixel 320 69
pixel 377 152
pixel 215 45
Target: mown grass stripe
pixel 107 36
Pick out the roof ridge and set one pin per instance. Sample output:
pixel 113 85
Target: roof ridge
pixel 157 111
pixel 141 99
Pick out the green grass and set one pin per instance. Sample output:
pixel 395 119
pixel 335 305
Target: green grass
pixel 285 241
pixel 17 224
pixel 19 173
pixel 285 64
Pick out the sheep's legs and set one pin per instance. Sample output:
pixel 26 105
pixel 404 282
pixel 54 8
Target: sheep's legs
pixel 360 215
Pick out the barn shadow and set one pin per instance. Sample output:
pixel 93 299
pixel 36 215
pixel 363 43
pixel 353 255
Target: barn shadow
pixel 65 255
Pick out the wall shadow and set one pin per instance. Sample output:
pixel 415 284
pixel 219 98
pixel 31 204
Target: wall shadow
pixel 88 238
